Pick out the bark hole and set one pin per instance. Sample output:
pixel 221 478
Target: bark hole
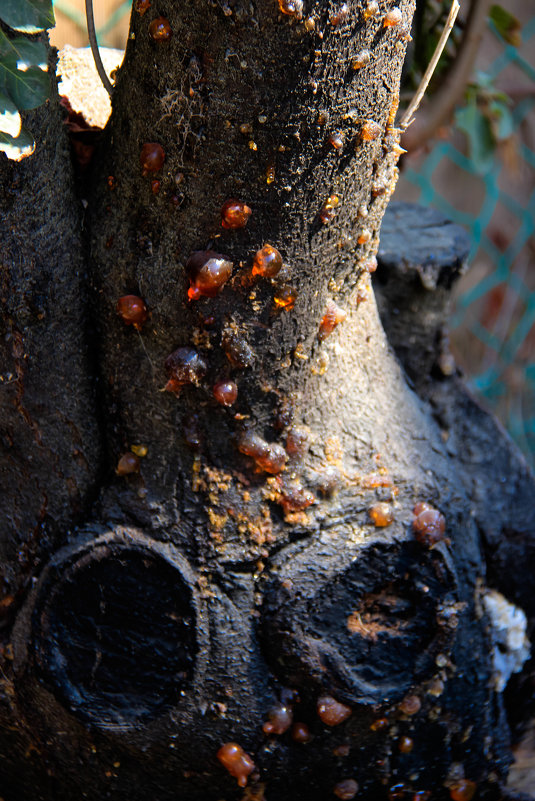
pixel 369 632
pixel 115 634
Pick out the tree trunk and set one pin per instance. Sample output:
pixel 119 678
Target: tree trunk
pixel 180 573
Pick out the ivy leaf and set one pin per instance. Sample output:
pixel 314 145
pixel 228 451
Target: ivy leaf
pixel 505 23
pixel 27 16
pixel 478 130
pixel 25 83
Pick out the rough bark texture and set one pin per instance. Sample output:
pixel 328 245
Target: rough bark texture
pixel 148 626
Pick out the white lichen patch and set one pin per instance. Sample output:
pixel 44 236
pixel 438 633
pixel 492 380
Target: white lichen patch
pixel 508 631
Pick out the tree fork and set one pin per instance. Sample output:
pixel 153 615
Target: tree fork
pixel 266 560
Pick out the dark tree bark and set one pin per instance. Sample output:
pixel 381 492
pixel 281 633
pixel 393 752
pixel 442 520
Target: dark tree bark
pixel 154 616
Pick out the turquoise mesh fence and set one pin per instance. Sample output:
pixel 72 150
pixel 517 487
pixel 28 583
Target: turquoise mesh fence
pixel 77 17
pixel 493 323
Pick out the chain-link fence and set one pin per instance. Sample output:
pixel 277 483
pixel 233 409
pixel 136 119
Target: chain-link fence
pixel 493 325
pixel 111 21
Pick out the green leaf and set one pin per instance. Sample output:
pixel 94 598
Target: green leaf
pixel 27 16
pixel 503 125
pixel 6 103
pixel 16 147
pixel 23 140
pixel 477 128
pixel 506 24
pixel 28 89
pixel 10 122
pixel 28 51
pixel 29 86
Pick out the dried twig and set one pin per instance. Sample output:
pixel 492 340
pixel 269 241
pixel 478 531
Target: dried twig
pixel 442 104
pixel 94 47
pixel 408 117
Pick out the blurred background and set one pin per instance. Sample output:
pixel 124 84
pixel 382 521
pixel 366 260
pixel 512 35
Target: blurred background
pixel 471 155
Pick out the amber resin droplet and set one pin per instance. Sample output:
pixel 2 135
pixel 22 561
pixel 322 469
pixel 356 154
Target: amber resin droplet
pixel 301 733
pixel 225 392
pixel 381 514
pixel 274 461
pixel 208 272
pixel 142 6
pixel 429 524
pixel 339 16
pixel 392 18
pixel 346 789
pixel 463 790
pixel 236 761
pixel 297 440
pixel 332 712
pixel 404 33
pixel 294 496
pixel 361 59
pixel 333 316
pixel 292 8
pixel 379 188
pixel 268 456
pixel 128 463
pixel 160 30
pixel 371 10
pixel 270 174
pixel 410 705
pixel 152 157
pixel 267 262
pixel 327 215
pixel 405 745
pixel 112 182
pixel 380 724
pixel 279 720
pixel 364 236
pixel 140 450
pixel 184 366
pixel 336 140
pixel 285 298
pixel 234 214
pixel 132 310
pixel 369 131
pixel 155 186
pixel 435 688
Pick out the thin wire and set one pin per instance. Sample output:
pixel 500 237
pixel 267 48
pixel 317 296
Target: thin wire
pixel 408 117
pixel 94 47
